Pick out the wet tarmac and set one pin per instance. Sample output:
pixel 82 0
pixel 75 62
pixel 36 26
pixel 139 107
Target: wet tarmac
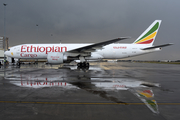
pixel 127 91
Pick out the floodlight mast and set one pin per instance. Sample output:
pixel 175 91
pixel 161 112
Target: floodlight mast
pixel 4 30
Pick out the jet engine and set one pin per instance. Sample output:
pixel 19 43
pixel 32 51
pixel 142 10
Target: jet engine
pixel 56 58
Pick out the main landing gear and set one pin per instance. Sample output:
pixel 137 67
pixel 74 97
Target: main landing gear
pixel 83 65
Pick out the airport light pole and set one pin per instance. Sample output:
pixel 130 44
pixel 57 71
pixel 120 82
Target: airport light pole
pixel 37 30
pixel 4 30
pixel 36 40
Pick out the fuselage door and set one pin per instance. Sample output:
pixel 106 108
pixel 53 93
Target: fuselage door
pixel 18 49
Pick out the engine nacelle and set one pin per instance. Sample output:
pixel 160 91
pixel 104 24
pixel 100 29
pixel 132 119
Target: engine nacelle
pixel 56 58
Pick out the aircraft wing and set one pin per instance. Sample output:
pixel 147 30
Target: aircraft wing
pixel 158 46
pixel 94 47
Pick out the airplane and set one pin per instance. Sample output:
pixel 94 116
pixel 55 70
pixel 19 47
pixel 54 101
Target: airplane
pixel 66 53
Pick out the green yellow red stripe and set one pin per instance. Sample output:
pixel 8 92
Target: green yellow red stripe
pixel 147 38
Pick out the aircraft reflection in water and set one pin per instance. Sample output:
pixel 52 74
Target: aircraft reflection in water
pixel 94 85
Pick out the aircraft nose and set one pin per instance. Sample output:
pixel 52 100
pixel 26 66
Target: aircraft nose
pixel 8 53
pixel 5 52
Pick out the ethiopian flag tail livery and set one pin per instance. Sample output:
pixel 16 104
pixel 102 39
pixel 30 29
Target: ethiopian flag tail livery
pixel 149 35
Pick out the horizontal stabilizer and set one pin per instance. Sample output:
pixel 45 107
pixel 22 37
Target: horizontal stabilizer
pixel 158 46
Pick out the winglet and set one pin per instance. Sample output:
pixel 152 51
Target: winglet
pixel 149 35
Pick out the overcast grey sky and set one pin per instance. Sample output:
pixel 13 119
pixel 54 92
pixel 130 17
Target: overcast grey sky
pixel 89 21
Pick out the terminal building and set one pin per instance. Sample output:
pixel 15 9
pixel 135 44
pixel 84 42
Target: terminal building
pixel 3 44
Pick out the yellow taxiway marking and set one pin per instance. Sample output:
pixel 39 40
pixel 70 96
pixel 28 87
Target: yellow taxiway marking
pixel 81 103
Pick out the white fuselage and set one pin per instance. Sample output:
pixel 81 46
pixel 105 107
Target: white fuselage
pixel 111 51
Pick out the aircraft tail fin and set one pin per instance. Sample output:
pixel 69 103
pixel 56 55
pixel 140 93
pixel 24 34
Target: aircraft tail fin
pixel 149 35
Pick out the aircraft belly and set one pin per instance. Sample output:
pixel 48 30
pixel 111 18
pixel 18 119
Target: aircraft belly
pixel 112 55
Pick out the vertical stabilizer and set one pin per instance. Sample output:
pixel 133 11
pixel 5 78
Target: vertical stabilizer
pixel 149 35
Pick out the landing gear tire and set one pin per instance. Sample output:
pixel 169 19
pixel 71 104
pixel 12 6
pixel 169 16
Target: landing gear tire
pixel 83 65
pixel 79 64
pixel 87 64
pixel 18 64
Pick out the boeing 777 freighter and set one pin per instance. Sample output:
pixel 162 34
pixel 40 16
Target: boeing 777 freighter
pixel 66 53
